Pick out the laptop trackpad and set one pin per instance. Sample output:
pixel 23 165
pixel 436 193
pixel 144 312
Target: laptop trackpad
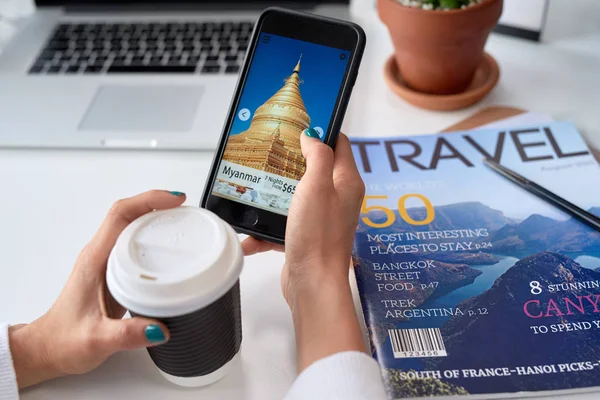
pixel 161 108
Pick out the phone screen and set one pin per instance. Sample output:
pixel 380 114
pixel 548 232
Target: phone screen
pixel 291 85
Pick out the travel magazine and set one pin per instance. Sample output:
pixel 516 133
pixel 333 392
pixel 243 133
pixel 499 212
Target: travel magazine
pixel 470 285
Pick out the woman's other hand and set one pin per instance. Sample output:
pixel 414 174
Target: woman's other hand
pixel 84 326
pixel 320 231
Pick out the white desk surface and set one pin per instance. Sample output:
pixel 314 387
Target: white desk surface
pixel 53 200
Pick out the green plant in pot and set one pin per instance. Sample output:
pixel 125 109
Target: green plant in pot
pixel 439 43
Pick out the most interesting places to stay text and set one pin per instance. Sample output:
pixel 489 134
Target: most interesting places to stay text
pixel 461 270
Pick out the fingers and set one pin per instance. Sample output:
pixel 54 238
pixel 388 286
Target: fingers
pixel 344 159
pixel 125 211
pixel 132 333
pixel 346 177
pixel 252 246
pixel 319 161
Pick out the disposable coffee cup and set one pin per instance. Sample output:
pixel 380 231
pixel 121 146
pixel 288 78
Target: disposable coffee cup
pixel 182 267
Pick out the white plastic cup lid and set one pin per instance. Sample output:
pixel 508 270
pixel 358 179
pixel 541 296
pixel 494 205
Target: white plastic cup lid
pixel 173 262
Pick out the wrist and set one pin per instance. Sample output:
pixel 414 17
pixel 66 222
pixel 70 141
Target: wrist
pixel 311 290
pixel 30 355
pixel 314 276
pixel 325 320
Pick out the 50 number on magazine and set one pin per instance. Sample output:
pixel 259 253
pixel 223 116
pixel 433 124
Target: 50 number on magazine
pixel 402 210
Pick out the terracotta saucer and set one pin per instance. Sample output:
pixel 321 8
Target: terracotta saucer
pixel 486 77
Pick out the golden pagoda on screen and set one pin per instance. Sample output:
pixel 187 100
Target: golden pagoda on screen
pixel 272 142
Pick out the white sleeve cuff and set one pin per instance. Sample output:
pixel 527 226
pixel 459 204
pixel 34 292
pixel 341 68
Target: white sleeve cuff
pixel 8 379
pixel 347 376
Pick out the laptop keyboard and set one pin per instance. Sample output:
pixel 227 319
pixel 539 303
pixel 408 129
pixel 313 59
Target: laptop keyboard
pixel 179 47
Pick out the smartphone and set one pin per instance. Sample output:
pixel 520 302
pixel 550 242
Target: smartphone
pixel 298 73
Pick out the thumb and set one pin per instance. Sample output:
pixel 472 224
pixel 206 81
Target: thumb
pixel 319 158
pixel 133 333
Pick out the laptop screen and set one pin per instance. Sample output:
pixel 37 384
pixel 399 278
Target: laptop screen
pixel 225 3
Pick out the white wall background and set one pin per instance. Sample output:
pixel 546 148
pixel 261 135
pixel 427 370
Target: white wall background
pixel 570 23
pixel 527 14
pixel 15 8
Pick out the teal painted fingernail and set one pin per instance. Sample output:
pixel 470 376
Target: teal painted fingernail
pixel 310 132
pixel 177 193
pixel 154 334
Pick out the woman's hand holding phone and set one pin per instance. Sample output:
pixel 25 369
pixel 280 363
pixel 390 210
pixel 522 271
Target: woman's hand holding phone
pixel 320 231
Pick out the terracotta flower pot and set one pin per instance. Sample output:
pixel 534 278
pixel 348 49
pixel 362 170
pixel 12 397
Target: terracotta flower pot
pixel 438 51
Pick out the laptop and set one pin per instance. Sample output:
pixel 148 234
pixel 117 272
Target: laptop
pixel 137 74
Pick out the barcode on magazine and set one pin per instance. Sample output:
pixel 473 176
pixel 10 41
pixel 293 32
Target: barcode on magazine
pixel 409 343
